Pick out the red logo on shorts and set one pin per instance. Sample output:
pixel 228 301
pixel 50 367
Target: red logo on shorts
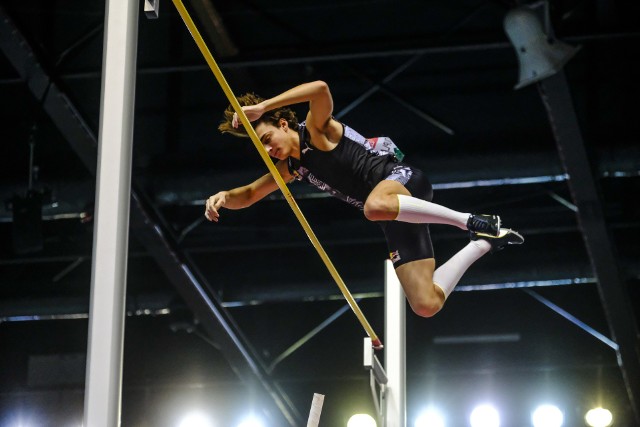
pixel 394 256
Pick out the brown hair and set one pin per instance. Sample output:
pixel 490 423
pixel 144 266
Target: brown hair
pixel 270 117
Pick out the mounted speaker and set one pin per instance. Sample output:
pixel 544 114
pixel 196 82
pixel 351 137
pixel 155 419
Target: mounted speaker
pixel 539 55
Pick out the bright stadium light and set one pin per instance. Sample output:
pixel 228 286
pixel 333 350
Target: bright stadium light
pixel 196 420
pixel 430 417
pixel 21 420
pixel 361 420
pixel 599 417
pixel 547 416
pixel 485 416
pixel 252 421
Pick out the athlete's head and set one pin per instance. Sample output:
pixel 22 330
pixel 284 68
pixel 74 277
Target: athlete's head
pixel 272 117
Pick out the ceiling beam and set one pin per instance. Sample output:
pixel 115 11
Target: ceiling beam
pixel 149 228
pixel 362 53
pixel 30 309
pixel 73 197
pixel 557 100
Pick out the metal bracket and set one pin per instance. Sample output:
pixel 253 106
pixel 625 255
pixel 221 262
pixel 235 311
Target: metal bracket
pixel 377 378
pixel 152 8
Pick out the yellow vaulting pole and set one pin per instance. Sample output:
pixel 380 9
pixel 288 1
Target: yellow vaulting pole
pixel 274 171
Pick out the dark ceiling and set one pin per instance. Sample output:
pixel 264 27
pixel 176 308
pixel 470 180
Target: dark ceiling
pixel 529 325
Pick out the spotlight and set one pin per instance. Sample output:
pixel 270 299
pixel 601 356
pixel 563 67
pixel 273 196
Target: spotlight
pixel 547 416
pixel 22 421
pixel 599 417
pixel 362 420
pixel 485 416
pixel 251 421
pixel 196 420
pixel 431 417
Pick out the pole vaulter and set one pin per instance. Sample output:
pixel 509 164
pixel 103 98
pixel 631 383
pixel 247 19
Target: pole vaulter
pixel 184 14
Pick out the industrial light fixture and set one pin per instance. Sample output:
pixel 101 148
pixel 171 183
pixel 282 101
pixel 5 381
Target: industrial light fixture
pixel 547 416
pixel 430 417
pixel 485 416
pixel 361 420
pixel 599 417
pixel 252 421
pixel 196 419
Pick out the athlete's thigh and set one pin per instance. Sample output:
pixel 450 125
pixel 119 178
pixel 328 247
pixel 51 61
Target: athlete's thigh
pixel 386 187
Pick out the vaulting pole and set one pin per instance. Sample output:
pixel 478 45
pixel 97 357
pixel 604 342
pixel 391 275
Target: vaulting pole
pixel 276 175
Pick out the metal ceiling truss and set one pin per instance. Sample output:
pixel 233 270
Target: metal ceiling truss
pixel 556 97
pixel 72 197
pixel 363 53
pixel 158 238
pixel 30 309
pixel 381 86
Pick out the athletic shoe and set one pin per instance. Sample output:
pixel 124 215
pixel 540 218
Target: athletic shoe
pixel 505 237
pixel 485 224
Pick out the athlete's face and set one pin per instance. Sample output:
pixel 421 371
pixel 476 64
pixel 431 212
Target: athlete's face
pixel 277 140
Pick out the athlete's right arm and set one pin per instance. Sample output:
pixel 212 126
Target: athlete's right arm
pixel 245 196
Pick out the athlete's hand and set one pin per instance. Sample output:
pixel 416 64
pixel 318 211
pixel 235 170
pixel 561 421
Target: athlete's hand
pixel 253 113
pixel 214 203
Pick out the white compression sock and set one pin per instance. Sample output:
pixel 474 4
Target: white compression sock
pixel 447 276
pixel 419 211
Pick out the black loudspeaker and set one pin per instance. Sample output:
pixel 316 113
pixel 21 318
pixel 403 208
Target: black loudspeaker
pixel 27 223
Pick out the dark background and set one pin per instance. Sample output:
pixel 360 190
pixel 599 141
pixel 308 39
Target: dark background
pixel 500 156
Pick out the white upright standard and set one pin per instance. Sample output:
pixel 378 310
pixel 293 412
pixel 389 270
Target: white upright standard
pixel 388 383
pixel 103 387
pixel 395 349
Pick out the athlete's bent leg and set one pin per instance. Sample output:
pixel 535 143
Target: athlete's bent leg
pixel 447 276
pixel 416 278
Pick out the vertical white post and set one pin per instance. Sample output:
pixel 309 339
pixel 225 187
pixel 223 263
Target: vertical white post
pixel 316 409
pixel 395 346
pixel 103 388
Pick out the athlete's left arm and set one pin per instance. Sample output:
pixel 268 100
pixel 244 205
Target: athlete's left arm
pixel 320 107
pixel 317 94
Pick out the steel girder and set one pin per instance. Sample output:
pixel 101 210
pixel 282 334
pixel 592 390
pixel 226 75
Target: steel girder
pixel 556 97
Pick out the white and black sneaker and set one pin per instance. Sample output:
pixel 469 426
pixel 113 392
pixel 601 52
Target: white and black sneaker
pixel 505 237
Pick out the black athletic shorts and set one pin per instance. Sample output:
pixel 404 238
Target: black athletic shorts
pixel 407 241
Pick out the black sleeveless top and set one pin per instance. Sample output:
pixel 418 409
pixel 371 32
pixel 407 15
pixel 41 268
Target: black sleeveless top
pixel 349 171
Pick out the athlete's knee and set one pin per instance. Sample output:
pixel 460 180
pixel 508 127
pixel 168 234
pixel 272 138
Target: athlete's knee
pixel 427 306
pixel 381 207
